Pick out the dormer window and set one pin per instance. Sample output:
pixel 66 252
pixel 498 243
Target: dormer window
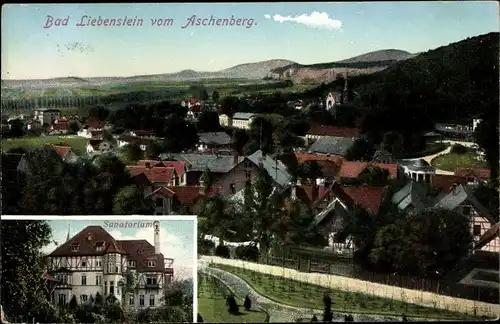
pixel 75 247
pixel 99 246
pixel 151 264
pixel 89 237
pixel 131 263
pixel 140 251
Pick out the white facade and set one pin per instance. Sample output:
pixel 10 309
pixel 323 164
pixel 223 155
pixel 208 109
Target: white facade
pixel 47 116
pixel 84 133
pixel 224 120
pixel 122 143
pixel 475 123
pixel 330 101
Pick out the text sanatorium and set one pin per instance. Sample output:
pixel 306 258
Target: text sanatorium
pixel 193 21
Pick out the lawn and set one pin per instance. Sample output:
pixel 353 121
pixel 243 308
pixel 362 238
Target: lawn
pixel 77 143
pixel 299 294
pixel 212 304
pixel 452 161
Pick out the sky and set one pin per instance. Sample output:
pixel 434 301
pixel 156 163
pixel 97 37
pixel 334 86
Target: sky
pixel 302 32
pixel 176 237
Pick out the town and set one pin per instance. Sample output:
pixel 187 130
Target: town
pixel 368 196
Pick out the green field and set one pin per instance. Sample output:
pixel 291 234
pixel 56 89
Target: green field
pixel 212 304
pixel 77 143
pixel 453 161
pixel 303 295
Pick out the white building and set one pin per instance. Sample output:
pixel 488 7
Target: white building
pixel 239 120
pixel 47 116
pixel 475 123
pixel 94 262
pixel 417 170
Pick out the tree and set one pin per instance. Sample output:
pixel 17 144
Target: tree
pixel 132 153
pixel 215 96
pixel 425 243
pixel 361 150
pixel 393 142
pixel 486 136
pixel 232 306
pixel 208 121
pixel 73 304
pixel 16 128
pixel 73 127
pixel 153 150
pixel 130 201
pixel 247 303
pixel 489 197
pixel 375 176
pixel 98 112
pixel 23 266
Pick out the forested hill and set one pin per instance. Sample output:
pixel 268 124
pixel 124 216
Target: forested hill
pixel 451 83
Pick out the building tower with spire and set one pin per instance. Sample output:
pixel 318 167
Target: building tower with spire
pixel 156 226
pixel 345 91
pixel 69 231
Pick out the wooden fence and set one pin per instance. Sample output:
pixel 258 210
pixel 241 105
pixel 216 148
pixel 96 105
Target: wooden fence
pixel 348 269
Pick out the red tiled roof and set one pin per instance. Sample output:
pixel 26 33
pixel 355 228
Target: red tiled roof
pixel 86 246
pixel 352 169
pixel 445 181
pixel 325 130
pixel 94 123
pixel 180 166
pixel 141 251
pixel 190 194
pixel 154 174
pixel 329 168
pixel 369 198
pixel 61 150
pixel 60 126
pixel 163 191
pixel 304 157
pixel 481 173
pixel 113 247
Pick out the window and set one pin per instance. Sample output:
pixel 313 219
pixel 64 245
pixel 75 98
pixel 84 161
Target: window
pixel 84 263
pixel 141 300
pixel 75 247
pixel 131 263
pixel 466 210
pixel 159 202
pixel 105 288
pixel 232 188
pixel 62 300
pixel 98 263
pixel 84 280
pixel 111 287
pixel 63 279
pixel 99 246
pixel 98 280
pixel 131 300
pixel 151 264
pixel 477 230
pixel 83 298
pixel 151 280
pixel 151 300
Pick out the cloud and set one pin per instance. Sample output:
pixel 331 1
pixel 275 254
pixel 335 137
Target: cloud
pixel 319 20
pixel 171 245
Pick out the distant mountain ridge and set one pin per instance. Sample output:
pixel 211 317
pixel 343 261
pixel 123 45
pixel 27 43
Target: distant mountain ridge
pixel 273 69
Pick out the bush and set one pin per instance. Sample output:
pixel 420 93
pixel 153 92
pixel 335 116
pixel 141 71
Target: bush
pixel 314 318
pixel 205 247
pixel 222 251
pixel 200 319
pixel 327 301
pixel 247 303
pixel 405 319
pixel 232 306
pixel 327 315
pixel 458 149
pixel 248 252
pixel 348 318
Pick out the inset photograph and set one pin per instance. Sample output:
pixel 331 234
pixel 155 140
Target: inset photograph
pixel 84 269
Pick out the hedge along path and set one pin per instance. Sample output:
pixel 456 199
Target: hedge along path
pixel 423 298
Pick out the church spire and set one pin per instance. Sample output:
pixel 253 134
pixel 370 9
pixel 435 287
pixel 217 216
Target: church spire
pixel 69 231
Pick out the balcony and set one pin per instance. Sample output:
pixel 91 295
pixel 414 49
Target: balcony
pixel 169 265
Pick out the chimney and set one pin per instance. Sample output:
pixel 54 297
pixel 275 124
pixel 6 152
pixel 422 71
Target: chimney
pixel 321 187
pixel 203 187
pixel 294 189
pixel 156 226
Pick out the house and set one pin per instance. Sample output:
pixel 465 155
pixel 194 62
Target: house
pixel 33 124
pixel 238 120
pixel 317 131
pixel 443 182
pixel 417 169
pixel 47 116
pixel 94 262
pixel 274 167
pixel 474 176
pixel 214 140
pixel 98 146
pixel 338 202
pixel 65 153
pixel 475 123
pixel 461 199
pixel 412 198
pixel 60 128
pixel 382 156
pixel 331 101
pixel 181 199
pixel 330 145
pixel 157 174
pixel 129 139
pixel 455 131
pixel 195 107
pixel 229 173
pixel 92 128
pixel 354 169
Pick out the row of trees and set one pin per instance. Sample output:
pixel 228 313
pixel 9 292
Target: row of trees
pixel 26 295
pixel 49 186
